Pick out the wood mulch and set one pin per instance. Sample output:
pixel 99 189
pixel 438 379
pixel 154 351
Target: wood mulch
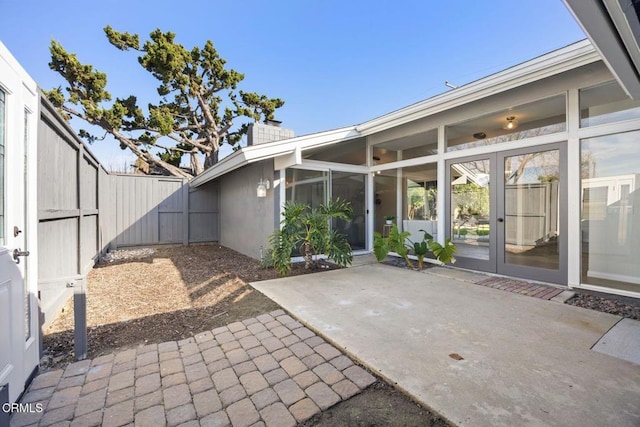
pixel 151 295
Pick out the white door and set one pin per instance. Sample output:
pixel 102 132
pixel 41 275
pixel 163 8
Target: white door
pixel 19 351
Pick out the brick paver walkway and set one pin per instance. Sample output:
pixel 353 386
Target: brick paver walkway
pixel 265 371
pixel 535 290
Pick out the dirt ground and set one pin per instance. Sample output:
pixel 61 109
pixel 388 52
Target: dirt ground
pixel 152 295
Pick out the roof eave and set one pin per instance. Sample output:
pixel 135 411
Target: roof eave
pixel 613 28
pixel 269 150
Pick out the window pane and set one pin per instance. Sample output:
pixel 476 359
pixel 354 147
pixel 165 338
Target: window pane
pixel 385 198
pixel 351 188
pixel 470 198
pixel 407 147
pixel 419 207
pixel 610 172
pixel 606 103
pixel 307 186
pixel 537 118
pixel 531 212
pixel 352 152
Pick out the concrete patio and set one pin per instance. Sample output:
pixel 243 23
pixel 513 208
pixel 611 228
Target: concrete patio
pixel 478 356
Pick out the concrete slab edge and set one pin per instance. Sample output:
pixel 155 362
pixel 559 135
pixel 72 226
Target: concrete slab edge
pixel 369 368
pixel 563 297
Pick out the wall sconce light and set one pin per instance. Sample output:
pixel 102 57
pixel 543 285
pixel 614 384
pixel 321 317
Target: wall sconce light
pixel 263 186
pixel 512 123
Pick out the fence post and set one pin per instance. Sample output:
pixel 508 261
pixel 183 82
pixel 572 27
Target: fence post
pixel 185 212
pixel 80 318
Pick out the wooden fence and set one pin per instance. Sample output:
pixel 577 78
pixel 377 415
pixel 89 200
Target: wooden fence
pixel 83 211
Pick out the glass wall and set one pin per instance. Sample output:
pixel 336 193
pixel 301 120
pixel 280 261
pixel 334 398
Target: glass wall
pixel 542 117
pixel 420 184
pixel 385 199
pixel 352 152
pixel 470 198
pixel 408 147
pixel 307 186
pixel 606 103
pixel 351 187
pixel 531 209
pixel 610 172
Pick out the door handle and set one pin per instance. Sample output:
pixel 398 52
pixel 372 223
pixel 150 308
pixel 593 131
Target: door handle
pixel 500 220
pixel 17 253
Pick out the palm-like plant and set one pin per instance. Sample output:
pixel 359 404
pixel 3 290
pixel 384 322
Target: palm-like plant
pixel 397 242
pixel 309 229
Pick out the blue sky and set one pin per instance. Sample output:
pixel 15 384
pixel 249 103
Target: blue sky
pixel 335 63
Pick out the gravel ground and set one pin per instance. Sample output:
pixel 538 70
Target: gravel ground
pixel 618 305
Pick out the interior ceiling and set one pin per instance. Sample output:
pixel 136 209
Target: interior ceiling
pixel 411 141
pixel 350 151
pixel 534 111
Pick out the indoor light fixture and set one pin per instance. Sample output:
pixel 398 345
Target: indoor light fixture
pixel 263 186
pixel 512 123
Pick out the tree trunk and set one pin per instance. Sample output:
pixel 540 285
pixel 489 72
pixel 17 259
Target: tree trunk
pixel 210 159
pixel 307 251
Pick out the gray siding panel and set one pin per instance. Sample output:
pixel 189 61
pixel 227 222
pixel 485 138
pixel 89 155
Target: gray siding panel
pixel 203 227
pixel 248 220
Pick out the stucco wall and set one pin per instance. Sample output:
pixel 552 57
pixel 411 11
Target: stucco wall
pixel 246 221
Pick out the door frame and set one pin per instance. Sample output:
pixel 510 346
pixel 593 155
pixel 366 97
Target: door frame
pixel 21 118
pixel 496 262
pixel 559 276
pixel 489 265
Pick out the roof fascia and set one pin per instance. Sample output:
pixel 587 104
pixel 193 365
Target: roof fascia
pixel 553 63
pixel 270 150
pixel 606 25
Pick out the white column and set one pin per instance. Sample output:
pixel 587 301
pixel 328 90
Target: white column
pixel 442 196
pixel 573 231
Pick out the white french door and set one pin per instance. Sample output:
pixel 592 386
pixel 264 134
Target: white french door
pixel 19 335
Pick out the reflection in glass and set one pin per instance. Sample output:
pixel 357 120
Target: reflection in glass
pixel 352 152
pixel 470 208
pixel 385 198
pixel 531 204
pixel 307 186
pixel 407 147
pixel 350 187
pixel 419 206
pixel 606 103
pixel 610 172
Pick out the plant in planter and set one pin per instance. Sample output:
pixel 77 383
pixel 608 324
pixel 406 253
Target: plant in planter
pixel 389 219
pixel 308 228
pixel 396 242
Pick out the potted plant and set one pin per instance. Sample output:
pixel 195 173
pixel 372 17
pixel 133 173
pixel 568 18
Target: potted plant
pixel 389 219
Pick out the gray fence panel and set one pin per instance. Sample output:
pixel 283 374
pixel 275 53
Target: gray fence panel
pixel 203 213
pixel 149 210
pixel 57 178
pixel 83 211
